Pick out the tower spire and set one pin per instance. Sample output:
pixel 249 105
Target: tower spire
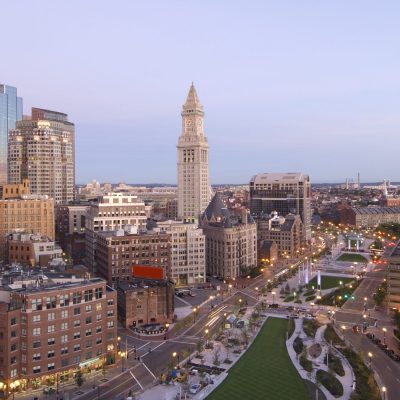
pixel 192 100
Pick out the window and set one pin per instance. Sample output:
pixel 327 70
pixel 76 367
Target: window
pixel 36 357
pixel 98 306
pixel 98 317
pixel 51 316
pixel 99 340
pixel 110 313
pixel 88 295
pixel 13 360
pixel 77 322
pixel 14 333
pixel 23 345
pixel 98 329
pixel 51 302
pixel 36 344
pixel 77 359
pixel 110 302
pixel 64 326
pixel 36 369
pixel 51 341
pixel 77 311
pixel 64 338
pixel 36 331
pixel 64 362
pixel 77 298
pixel 36 318
pixel 64 314
pixel 64 300
pixel 13 321
pixel 51 328
pixel 50 366
pixel 88 320
pixel 98 293
pixel 77 347
pixel 88 343
pixel 110 324
pixel 88 332
pixel 64 350
pixel 13 347
pixel 77 335
pixel 88 308
pixel 36 305
pixel 51 354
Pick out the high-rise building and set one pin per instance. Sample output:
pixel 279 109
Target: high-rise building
pixel 285 193
pixel 10 113
pixel 193 178
pixel 42 150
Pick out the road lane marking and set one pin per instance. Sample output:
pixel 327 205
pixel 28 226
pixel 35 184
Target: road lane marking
pixel 145 354
pixel 133 376
pixel 149 370
pixel 177 341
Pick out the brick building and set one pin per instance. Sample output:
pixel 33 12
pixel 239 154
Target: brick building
pixel 49 328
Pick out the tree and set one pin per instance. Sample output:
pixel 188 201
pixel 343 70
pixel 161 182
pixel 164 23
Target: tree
pixel 79 379
pixel 199 346
pixel 287 288
pixel 216 356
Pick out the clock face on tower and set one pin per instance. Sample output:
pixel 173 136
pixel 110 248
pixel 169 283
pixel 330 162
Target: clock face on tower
pixel 188 122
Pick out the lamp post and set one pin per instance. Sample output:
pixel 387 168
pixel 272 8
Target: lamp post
pixel 273 297
pixel 384 335
pixel 176 355
pixel 206 332
pixel 166 330
pixel 123 355
pixel 256 288
pixel 370 359
pixel 194 314
pixel 384 392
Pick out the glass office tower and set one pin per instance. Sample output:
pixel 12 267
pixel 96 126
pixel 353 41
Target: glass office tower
pixel 10 113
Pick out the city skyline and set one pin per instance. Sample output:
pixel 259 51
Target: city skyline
pixel 317 83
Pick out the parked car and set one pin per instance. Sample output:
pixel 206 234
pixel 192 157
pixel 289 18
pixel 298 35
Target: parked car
pixel 195 388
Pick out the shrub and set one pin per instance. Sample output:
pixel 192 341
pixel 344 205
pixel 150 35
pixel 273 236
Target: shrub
pixel 310 326
pixel 305 362
pixel 310 298
pixel 298 345
pixel 332 337
pixel 335 364
pixel 309 293
pixel 331 383
pixel 298 301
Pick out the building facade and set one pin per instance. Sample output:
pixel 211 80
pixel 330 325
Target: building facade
pixel 50 329
pixel 369 217
pixel 193 176
pixel 393 277
pixel 111 212
pixel 118 251
pixel 286 232
pixel 24 213
pixel 231 240
pixel 42 149
pixel 144 302
pixel 32 250
pixel 10 113
pixel 188 263
pixel 286 193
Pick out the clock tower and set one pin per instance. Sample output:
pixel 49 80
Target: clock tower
pixel 193 180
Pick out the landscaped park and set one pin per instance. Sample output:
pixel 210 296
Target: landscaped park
pixel 352 257
pixel 265 370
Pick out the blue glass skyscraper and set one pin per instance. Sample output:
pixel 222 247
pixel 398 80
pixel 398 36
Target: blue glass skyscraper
pixel 10 113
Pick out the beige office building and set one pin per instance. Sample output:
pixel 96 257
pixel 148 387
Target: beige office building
pixel 41 149
pixel 188 262
pixel 193 177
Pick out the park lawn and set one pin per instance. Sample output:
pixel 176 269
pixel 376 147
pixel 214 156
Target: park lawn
pixel 265 371
pixel 351 257
pixel 329 282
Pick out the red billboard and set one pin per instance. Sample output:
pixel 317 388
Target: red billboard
pixel 147 272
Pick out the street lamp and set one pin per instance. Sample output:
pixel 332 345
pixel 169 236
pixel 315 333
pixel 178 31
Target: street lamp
pixel 273 297
pixel 206 332
pixel 370 358
pixel 384 392
pixel 176 355
pixel 123 355
pixel 384 335
pixel 166 330
pixel 194 314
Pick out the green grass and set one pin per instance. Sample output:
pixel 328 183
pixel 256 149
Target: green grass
pixel 329 282
pixel 352 257
pixel 265 371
